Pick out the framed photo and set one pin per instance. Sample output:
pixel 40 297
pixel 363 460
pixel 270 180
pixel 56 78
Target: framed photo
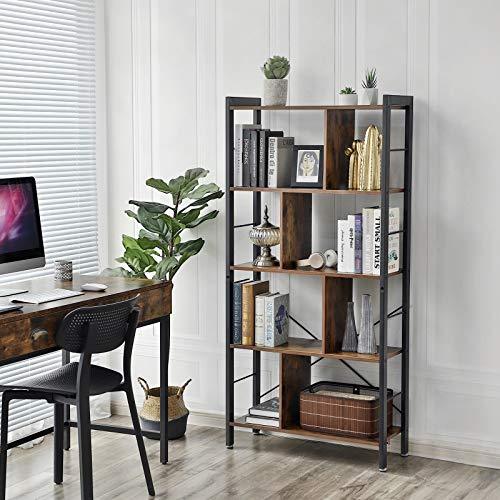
pixel 308 167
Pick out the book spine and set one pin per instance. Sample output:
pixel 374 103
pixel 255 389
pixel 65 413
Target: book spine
pixel 268 320
pixel 238 171
pixel 237 335
pixel 247 321
pixel 358 243
pixel 272 178
pixel 254 157
pixel 260 338
pixel 393 262
pixel 342 246
pixel 263 139
pixel 367 240
pixel 246 157
pixel 376 235
pixel 284 161
pixel 350 253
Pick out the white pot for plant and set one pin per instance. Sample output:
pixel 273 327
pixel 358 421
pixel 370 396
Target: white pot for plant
pixel 348 99
pixel 275 92
pixel 368 96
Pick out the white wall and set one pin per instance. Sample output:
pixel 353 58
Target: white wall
pixel 171 64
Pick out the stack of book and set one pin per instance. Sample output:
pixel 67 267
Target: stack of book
pixel 359 240
pixel 267 413
pixel 262 157
pixel 259 316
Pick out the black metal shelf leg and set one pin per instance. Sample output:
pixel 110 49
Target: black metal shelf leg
pixel 164 358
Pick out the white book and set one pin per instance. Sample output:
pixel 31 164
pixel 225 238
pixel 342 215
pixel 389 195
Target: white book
pixel 238 151
pixel 260 309
pixel 393 241
pixel 276 319
pixel 350 250
pixel 367 240
pixel 342 243
pixel 280 161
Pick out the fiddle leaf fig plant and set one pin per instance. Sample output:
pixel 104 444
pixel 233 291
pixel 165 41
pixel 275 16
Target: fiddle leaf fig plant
pixel 159 249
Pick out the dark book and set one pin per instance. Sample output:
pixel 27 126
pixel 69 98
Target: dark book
pixel 270 422
pixel 254 157
pixel 237 315
pixel 245 153
pixel 269 408
pixel 264 152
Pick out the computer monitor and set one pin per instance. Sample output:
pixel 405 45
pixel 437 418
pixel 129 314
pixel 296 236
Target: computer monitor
pixel 21 242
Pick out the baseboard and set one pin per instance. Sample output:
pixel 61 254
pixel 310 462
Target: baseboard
pixel 451 452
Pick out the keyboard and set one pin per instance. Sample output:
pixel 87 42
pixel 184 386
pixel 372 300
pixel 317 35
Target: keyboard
pixel 5 292
pixel 45 296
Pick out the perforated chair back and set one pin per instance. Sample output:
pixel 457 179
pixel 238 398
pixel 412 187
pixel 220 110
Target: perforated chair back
pixel 107 324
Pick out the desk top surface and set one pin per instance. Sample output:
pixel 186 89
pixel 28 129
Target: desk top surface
pixel 118 289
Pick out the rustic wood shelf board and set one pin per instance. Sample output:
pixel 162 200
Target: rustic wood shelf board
pixel 310 347
pixel 358 107
pixel 313 191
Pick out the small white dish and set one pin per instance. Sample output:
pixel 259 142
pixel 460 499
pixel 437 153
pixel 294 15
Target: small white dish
pixel 94 287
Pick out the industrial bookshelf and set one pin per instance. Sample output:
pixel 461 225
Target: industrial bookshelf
pixel 296 231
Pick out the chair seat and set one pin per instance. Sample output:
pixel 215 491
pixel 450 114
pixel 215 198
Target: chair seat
pixel 63 381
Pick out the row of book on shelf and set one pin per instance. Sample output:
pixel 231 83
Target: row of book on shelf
pixel 262 157
pixel 259 316
pixel 266 413
pixel 359 242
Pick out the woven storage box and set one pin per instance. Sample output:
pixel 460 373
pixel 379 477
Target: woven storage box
pixel 343 409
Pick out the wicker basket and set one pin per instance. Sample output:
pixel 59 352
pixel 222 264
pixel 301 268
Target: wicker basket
pixel 343 409
pixel 177 411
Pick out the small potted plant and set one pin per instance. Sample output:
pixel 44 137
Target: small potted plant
pixel 275 70
pixel 369 92
pixel 348 97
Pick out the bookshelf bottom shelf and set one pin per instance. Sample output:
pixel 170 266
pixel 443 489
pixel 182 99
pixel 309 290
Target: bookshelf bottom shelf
pixel 298 431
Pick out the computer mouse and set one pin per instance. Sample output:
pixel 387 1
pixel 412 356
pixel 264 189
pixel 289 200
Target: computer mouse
pixel 94 287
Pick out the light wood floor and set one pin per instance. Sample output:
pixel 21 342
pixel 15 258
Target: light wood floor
pixel 258 467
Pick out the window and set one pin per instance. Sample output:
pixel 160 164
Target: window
pixel 48 130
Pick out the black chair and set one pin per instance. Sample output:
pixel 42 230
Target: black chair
pixel 88 330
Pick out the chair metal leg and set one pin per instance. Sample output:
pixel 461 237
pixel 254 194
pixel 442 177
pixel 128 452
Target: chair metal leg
pixel 140 441
pixel 4 430
pixel 58 442
pixel 66 358
pixel 85 448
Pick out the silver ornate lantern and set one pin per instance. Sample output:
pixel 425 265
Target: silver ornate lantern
pixel 265 236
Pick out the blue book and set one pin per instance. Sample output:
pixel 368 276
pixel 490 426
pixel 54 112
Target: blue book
pixel 237 314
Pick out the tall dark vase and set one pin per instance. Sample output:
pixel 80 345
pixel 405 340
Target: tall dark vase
pixel 350 342
pixel 366 342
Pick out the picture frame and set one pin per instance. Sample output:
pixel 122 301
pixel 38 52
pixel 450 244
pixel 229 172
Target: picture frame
pixel 308 166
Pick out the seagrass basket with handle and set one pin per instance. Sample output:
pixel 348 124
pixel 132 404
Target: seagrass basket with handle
pixel 177 411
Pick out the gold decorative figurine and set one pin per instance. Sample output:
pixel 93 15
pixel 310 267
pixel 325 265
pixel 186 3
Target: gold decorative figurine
pixel 355 153
pixel 370 171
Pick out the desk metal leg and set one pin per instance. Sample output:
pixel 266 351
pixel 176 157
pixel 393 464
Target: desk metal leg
pixel 164 355
pixel 67 429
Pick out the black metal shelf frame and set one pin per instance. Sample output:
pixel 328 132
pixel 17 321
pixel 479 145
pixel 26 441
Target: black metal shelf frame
pixel 390 102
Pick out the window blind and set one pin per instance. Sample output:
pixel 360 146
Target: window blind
pixel 48 130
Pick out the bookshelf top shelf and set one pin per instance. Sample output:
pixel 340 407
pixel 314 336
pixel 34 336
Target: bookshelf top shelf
pixel 313 190
pixel 359 107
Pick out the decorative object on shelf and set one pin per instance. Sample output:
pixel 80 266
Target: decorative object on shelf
pixel 366 339
pixel 308 166
pixel 177 411
pixel 275 70
pixel 355 154
pixel 348 97
pixel 159 250
pixel 319 260
pixel 369 92
pixel 265 236
pixel 63 270
pixel 370 165
pixel 350 341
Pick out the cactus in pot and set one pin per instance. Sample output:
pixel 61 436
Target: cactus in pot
pixel 275 70
pixel 348 97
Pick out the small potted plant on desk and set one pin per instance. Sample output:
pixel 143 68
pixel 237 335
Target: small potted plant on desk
pixel 369 92
pixel 348 97
pixel 159 250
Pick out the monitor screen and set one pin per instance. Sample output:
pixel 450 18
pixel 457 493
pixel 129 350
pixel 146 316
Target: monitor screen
pixel 20 230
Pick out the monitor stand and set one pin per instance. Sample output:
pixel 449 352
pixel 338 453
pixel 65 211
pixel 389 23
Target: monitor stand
pixel 5 292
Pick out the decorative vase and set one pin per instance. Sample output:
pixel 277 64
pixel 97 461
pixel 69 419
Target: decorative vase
pixel 348 99
pixel 350 342
pixel 275 92
pixel 368 96
pixel 265 236
pixel 366 339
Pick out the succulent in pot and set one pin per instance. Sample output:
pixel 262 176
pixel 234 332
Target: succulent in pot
pixel 369 92
pixel 275 70
pixel 348 97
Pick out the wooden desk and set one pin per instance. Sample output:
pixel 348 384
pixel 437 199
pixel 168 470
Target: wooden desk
pixel 31 332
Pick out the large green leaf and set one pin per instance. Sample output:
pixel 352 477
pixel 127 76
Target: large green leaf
pixel 205 199
pixel 192 215
pixel 151 222
pixel 174 227
pixel 151 206
pixel 195 173
pixel 165 266
pixel 197 222
pixel 190 247
pixel 203 190
pixel 159 185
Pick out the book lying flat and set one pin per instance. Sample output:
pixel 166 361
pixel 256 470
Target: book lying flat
pixel 269 408
pixel 270 422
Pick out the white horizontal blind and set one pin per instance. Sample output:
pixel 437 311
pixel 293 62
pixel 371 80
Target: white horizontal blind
pixel 47 130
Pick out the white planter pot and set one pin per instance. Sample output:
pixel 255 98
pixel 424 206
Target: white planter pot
pixel 368 96
pixel 348 99
pixel 275 92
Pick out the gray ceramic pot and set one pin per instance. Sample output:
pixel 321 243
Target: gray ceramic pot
pixel 275 92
